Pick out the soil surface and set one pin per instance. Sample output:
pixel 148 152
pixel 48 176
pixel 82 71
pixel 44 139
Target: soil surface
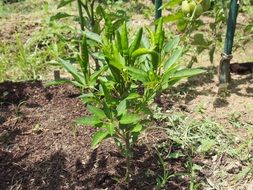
pixel 41 148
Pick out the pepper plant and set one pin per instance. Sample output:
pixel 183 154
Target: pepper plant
pixel 133 73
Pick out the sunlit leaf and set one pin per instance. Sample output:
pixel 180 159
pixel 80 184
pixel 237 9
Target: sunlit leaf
pixel 73 71
pixel 129 119
pixel 174 58
pixel 98 137
pixel 188 73
pixel 136 43
pixel 171 4
pixel 96 111
pixel 206 145
pixel 137 128
pixel 133 96
pixel 138 74
pixel 124 39
pixel 173 17
pixel 88 121
pixel 110 127
pixel 121 108
pixel 93 36
pixel 171 44
pixel 142 51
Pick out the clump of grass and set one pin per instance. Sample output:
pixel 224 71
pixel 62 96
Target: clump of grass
pixel 204 136
pixel 205 139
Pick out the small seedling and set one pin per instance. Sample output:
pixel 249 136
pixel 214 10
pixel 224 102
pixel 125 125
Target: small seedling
pixel 235 120
pixel 162 180
pixel 201 108
pixel 37 129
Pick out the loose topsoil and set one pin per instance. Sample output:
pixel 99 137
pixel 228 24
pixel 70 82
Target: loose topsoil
pixel 42 148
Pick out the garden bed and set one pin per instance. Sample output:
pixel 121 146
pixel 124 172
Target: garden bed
pixel 42 149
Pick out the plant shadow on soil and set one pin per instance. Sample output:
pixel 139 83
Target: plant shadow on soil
pixel 54 173
pixel 56 159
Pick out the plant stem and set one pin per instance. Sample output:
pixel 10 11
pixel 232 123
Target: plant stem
pixel 92 15
pixel 127 156
pixel 79 2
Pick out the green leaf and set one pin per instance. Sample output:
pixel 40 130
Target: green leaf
pixel 172 43
pixel 159 33
pixel 171 4
pixel 196 167
pixel 175 155
pixel 188 73
pixel 167 77
pixel 121 108
pixel 151 36
pixel 118 42
pixel 136 43
pixel 93 36
pixel 64 3
pixel 124 39
pixel 98 137
pixel 117 60
pixel 173 17
pixel 174 58
pixel 206 145
pixel 132 96
pixel 97 112
pixel 73 71
pixel 106 92
pixel 198 39
pixel 57 82
pixel 142 51
pixel 87 98
pixel 110 127
pixel 94 76
pixel 138 74
pixel 59 16
pixel 88 121
pixel 145 42
pixel 129 119
pixel 137 128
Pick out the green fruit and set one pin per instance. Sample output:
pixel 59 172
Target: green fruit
pixel 206 4
pixel 185 7
pixel 192 5
pixel 181 25
pixel 199 10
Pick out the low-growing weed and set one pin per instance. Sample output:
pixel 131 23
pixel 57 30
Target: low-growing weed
pixel 208 138
pixel 37 128
pixel 162 180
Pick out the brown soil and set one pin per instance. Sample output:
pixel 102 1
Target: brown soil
pixel 40 147
pixel 17 25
